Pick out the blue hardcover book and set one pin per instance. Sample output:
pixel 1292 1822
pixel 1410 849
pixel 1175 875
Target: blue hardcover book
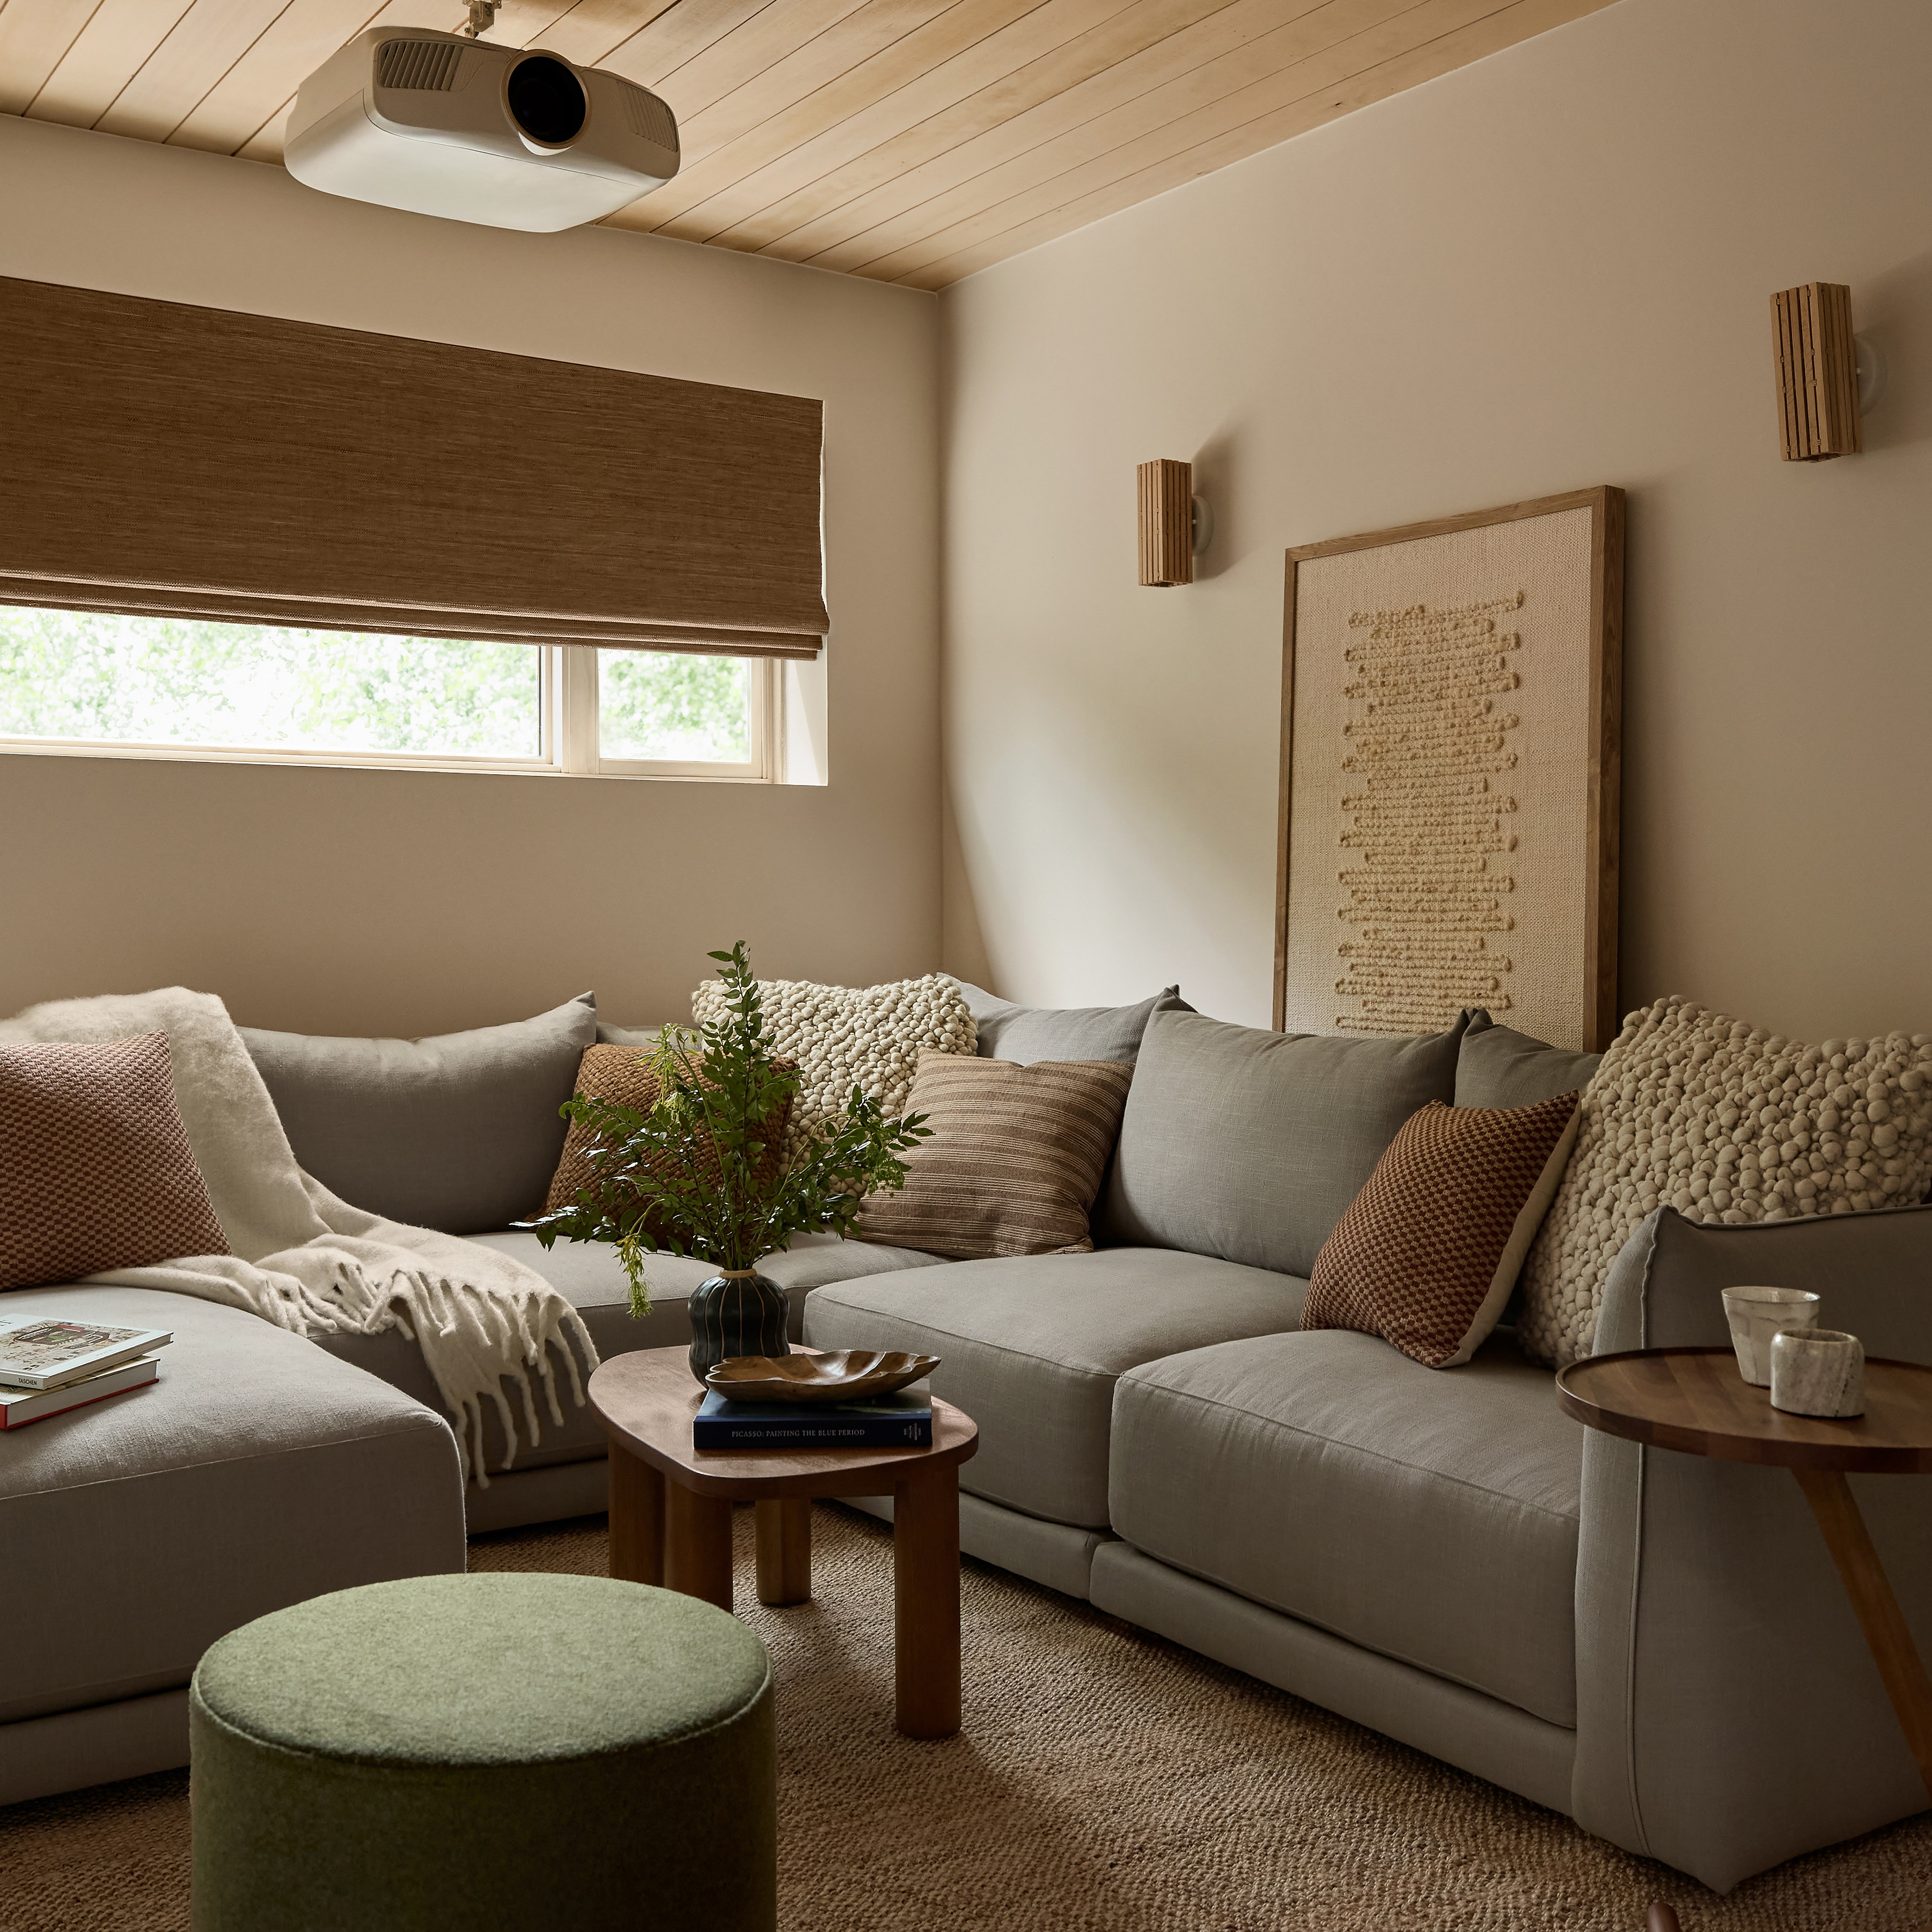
pixel 900 1421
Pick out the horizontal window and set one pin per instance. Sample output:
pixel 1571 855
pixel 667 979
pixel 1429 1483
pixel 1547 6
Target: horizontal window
pixel 182 687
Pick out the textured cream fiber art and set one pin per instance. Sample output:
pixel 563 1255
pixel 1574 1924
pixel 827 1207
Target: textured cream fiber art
pixel 1723 1122
pixel 1105 1781
pixel 1438 853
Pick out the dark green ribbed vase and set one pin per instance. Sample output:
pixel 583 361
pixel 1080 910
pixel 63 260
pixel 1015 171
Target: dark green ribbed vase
pixel 501 1752
pixel 735 1314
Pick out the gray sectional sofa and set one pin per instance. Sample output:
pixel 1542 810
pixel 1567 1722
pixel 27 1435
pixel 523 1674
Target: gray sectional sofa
pixel 1439 1555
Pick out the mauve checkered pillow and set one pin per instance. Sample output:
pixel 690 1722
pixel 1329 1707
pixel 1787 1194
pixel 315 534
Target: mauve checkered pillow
pixel 1428 1252
pixel 95 1168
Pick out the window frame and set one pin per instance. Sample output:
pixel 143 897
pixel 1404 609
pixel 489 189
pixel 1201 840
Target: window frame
pixel 568 728
pixel 582 753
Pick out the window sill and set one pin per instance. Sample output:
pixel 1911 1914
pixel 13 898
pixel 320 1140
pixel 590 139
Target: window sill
pixel 383 761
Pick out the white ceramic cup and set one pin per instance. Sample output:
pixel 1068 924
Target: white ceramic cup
pixel 1817 1372
pixel 1757 1314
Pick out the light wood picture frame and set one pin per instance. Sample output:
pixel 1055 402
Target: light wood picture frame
pixel 1451 724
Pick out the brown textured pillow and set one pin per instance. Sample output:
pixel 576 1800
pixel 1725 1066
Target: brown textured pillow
pixel 617 1073
pixel 1427 1252
pixel 1015 1161
pixel 95 1168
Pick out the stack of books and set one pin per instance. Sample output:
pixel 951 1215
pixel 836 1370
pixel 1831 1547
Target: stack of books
pixel 902 1420
pixel 49 1366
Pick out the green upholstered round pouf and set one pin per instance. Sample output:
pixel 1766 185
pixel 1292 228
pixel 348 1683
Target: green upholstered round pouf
pixel 502 1750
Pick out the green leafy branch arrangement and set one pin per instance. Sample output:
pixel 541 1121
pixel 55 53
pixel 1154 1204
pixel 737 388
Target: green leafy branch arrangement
pixel 694 1167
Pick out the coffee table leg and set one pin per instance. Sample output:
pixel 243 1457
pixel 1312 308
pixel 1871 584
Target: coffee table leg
pixel 637 1518
pixel 697 1545
pixel 1869 1589
pixel 784 1549
pixel 925 1561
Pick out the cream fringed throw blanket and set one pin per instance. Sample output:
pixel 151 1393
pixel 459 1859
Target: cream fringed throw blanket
pixel 307 1262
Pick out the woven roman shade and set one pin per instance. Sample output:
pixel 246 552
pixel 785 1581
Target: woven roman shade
pixel 196 462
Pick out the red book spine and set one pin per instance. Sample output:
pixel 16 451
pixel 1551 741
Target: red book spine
pixel 105 1395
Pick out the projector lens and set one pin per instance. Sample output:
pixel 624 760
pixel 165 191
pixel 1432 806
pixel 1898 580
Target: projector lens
pixel 547 101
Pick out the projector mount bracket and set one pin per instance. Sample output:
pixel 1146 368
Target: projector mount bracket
pixel 482 17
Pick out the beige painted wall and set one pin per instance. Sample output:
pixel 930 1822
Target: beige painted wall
pixel 1549 270
pixel 335 901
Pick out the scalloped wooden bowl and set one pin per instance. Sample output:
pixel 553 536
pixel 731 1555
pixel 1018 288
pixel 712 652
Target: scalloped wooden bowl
pixel 840 1375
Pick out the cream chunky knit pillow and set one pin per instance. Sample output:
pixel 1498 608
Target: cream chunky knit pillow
pixel 843 1037
pixel 1723 1123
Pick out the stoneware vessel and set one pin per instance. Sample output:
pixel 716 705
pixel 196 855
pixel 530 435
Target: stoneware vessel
pixel 1817 1372
pixel 1756 1314
pixel 735 1312
pixel 839 1374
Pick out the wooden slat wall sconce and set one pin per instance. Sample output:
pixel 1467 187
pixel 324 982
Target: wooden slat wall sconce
pixel 1175 525
pixel 1817 372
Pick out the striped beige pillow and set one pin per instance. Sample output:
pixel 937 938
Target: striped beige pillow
pixel 1015 1159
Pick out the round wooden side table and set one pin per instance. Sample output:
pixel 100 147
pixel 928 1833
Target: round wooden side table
pixel 1693 1400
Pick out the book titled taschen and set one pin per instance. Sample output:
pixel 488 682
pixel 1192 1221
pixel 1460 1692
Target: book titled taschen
pixel 18 1407
pixel 903 1420
pixel 52 1353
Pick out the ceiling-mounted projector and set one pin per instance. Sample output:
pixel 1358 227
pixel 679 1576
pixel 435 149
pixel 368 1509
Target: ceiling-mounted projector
pixel 439 125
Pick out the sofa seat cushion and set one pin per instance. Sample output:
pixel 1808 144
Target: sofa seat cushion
pixel 1030 1347
pixel 1432 1517
pixel 588 1274
pixel 257 1472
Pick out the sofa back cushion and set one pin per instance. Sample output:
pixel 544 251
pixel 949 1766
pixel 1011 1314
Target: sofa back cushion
pixel 641 1040
pixel 1025 1034
pixel 459 1132
pixel 1499 1067
pixel 1250 1145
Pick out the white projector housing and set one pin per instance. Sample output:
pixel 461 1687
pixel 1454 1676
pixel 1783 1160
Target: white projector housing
pixel 412 118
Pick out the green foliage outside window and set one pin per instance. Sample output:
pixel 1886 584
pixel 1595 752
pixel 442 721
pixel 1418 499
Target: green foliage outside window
pixel 158 680
pixel 182 681
pixel 652 705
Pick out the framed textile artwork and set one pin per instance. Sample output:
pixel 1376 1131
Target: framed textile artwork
pixel 1450 700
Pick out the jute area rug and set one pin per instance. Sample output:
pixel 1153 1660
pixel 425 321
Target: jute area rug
pixel 1106 1781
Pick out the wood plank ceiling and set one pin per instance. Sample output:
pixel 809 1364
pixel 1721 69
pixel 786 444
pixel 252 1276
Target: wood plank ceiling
pixel 912 141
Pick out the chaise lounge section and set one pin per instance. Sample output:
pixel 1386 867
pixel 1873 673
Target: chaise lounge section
pixel 257 1472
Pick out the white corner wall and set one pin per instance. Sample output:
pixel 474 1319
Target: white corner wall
pixel 1549 270
pixel 400 902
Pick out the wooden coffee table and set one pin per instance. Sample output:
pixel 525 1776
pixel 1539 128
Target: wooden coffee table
pixel 1693 1400
pixel 671 1516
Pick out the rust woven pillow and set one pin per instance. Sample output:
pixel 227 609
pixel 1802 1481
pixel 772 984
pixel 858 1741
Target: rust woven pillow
pixel 95 1168
pixel 1015 1159
pixel 1427 1252
pixel 617 1073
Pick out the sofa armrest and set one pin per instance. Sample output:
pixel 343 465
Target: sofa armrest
pixel 1728 1713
